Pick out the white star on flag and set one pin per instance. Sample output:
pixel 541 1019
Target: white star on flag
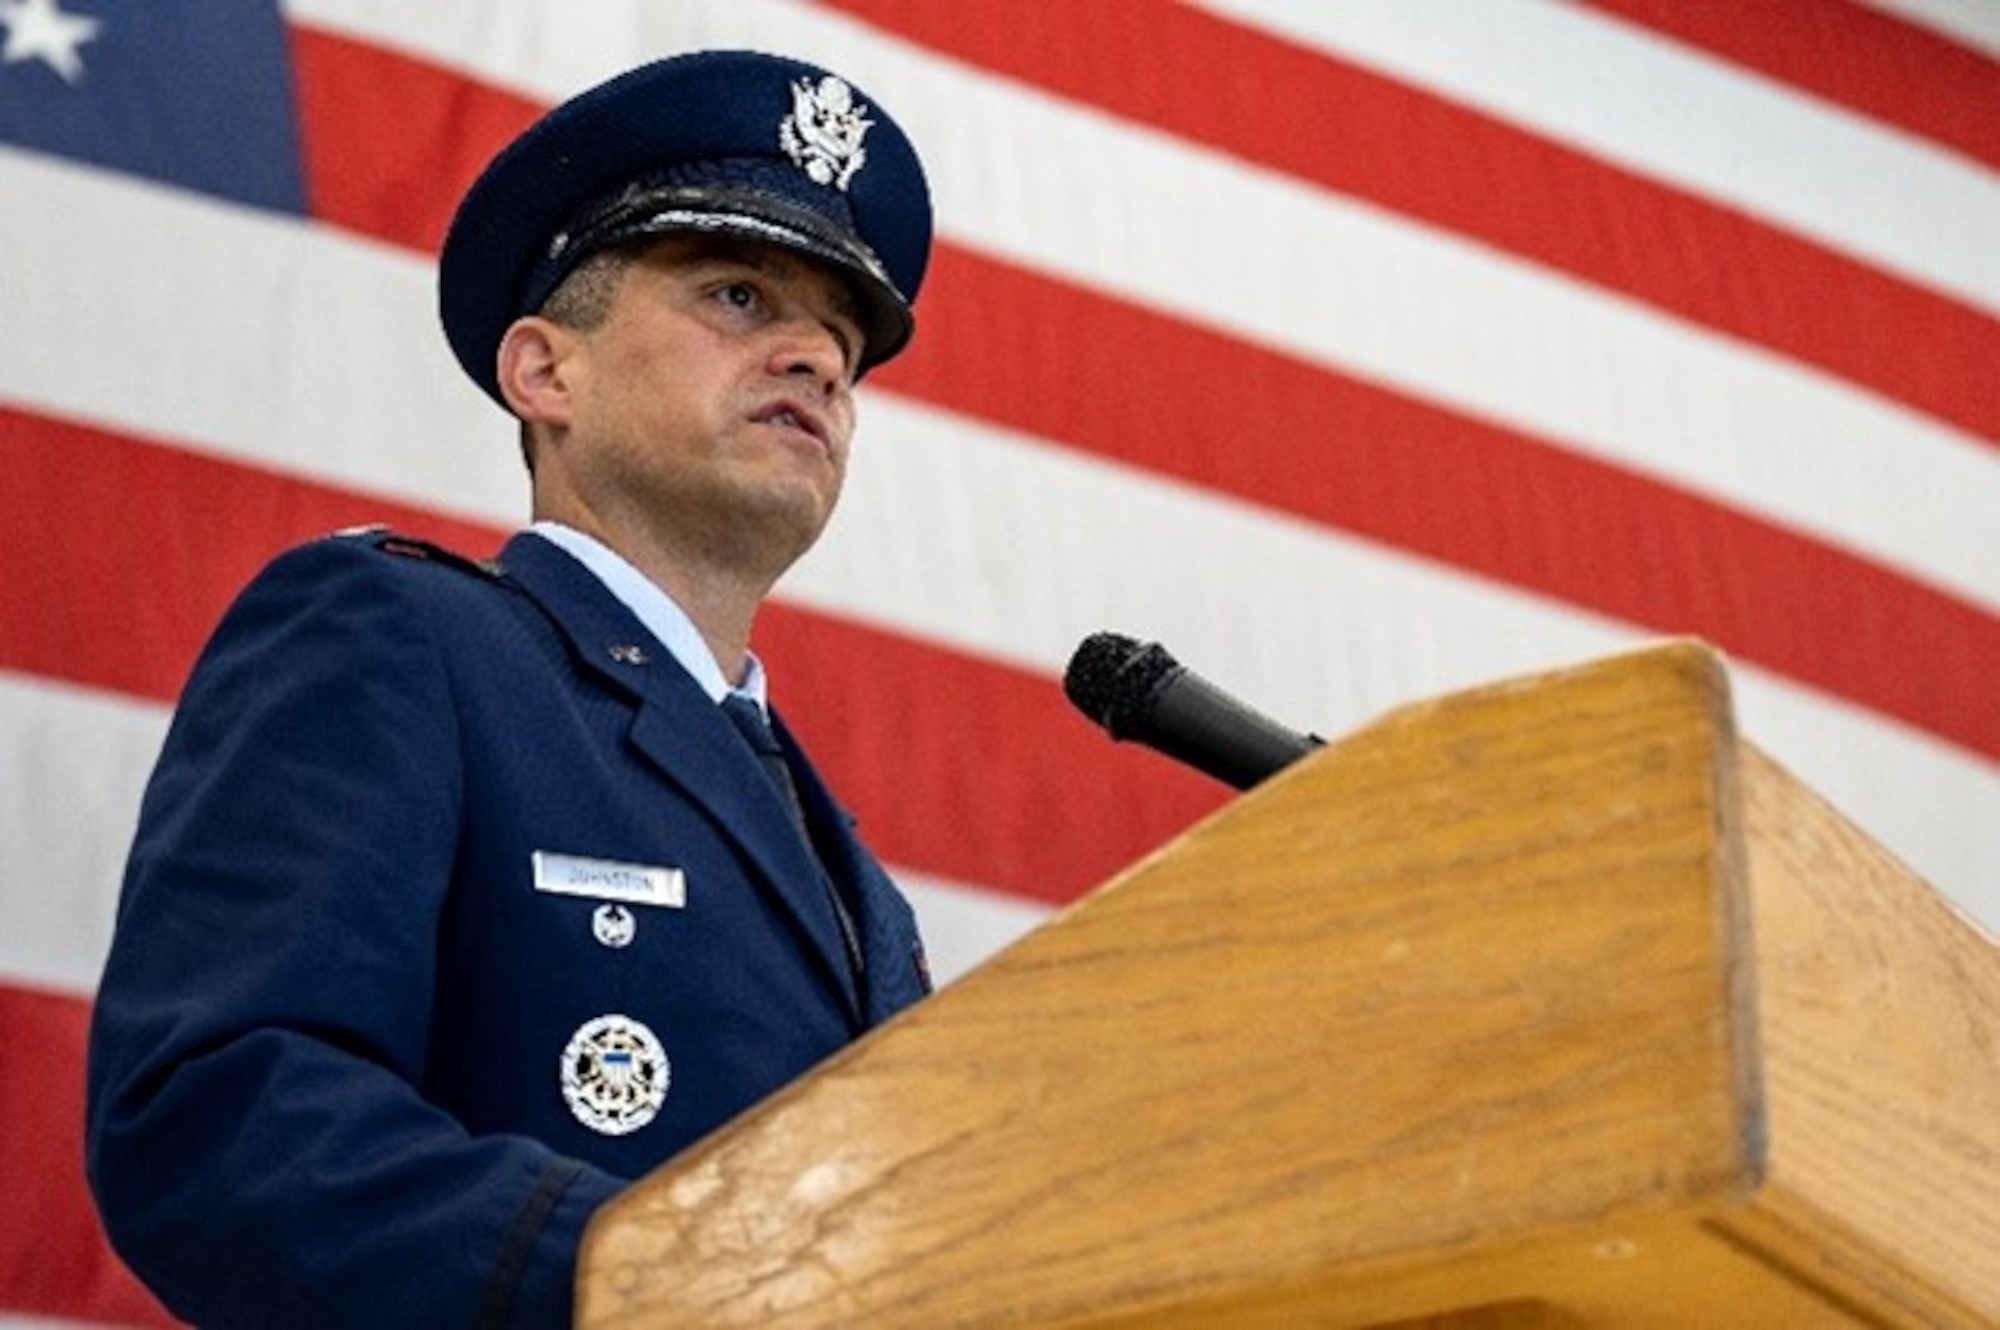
pixel 38 30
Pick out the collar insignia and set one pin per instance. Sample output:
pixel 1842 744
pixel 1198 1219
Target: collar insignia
pixel 824 131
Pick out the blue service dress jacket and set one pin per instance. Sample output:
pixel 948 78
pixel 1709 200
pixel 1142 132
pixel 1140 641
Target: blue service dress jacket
pixel 419 826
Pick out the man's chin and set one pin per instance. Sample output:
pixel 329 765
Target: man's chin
pixel 772 527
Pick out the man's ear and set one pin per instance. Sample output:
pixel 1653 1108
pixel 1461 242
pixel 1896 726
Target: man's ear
pixel 533 369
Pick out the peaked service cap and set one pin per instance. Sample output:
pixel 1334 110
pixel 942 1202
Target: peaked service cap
pixel 729 142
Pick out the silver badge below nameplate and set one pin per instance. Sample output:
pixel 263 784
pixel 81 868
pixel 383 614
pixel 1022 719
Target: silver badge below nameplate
pixel 609 880
pixel 614 1075
pixel 613 925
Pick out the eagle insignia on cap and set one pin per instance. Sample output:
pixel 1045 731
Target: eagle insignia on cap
pixel 824 131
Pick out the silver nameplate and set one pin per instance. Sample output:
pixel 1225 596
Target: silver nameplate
pixel 609 880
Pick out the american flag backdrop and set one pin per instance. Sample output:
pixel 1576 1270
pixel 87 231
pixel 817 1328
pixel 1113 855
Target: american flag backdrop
pixel 1359 351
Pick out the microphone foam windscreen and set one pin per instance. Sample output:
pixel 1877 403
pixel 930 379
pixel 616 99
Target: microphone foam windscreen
pixel 1113 679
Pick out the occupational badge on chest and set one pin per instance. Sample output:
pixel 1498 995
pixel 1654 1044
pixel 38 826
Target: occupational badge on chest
pixel 614 1075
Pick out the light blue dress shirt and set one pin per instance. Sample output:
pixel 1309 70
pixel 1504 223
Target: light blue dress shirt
pixel 658 613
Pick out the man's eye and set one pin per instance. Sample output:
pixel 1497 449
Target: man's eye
pixel 739 295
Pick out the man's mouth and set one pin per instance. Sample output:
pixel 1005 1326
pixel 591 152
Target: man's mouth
pixel 790 416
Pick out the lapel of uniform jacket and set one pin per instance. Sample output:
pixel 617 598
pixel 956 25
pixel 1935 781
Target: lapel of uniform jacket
pixel 895 972
pixel 685 735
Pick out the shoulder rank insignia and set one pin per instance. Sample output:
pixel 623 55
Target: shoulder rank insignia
pixel 411 547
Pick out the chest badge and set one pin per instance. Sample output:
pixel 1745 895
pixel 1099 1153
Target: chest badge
pixel 614 1075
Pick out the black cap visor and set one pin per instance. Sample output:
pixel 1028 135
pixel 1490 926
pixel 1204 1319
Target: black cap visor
pixel 752 214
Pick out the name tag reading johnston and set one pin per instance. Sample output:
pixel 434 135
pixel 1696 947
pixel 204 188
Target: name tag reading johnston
pixel 608 880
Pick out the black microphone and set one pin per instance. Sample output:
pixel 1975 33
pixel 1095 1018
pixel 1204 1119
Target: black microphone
pixel 1137 690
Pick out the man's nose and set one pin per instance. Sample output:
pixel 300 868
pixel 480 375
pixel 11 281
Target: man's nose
pixel 808 348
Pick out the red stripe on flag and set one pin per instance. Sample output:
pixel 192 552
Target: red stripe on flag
pixel 1299 439
pixel 152 543
pixel 106 602
pixel 1355 131
pixel 1889 70
pixel 389 141
pixel 69 1269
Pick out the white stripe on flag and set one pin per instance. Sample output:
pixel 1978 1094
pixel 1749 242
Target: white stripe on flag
pixel 78 761
pixel 245 335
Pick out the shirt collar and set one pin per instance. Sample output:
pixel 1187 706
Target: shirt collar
pixel 656 612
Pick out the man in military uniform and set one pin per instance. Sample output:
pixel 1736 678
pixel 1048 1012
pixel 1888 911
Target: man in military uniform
pixel 465 893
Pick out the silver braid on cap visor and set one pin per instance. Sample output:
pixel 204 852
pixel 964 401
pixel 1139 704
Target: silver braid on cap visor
pixel 757 213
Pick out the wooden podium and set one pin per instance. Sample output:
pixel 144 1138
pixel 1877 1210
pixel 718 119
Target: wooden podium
pixel 1545 1004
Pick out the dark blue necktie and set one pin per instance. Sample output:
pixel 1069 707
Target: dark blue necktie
pixel 749 720
pixel 756 730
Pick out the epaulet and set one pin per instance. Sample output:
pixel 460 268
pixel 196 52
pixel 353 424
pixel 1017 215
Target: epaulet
pixel 403 546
